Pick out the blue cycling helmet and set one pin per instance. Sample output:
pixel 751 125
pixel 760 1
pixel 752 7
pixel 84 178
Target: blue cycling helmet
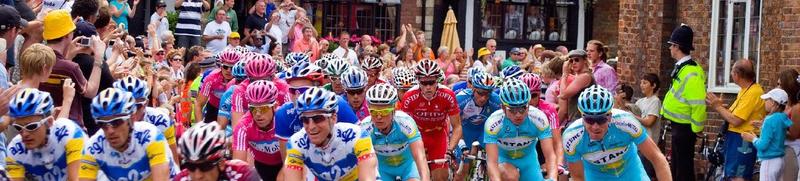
pixel 135 86
pixel 30 102
pixel 515 93
pixel 112 102
pixel 238 70
pixel 305 70
pixel 595 100
pixel 475 71
pixel 512 72
pixel 317 99
pixel 483 80
pixel 354 78
pixel 296 57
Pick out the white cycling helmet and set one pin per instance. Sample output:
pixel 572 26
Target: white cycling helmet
pixel 382 94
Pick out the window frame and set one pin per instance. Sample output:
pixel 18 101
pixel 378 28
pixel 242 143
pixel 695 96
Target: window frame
pixel 714 35
pixel 327 5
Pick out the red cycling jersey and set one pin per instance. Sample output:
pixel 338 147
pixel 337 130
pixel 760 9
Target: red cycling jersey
pixel 235 170
pixel 431 117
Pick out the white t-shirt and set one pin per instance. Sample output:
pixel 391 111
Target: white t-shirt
pixel 651 106
pixel 352 56
pixel 49 5
pixel 213 28
pixel 162 25
pixel 287 20
pixel 276 32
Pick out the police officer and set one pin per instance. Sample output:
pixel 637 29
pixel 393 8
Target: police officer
pixel 684 104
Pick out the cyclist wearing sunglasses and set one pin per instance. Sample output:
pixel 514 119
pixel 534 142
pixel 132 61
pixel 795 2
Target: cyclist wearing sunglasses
pixel 46 147
pixel 331 150
pixel 535 83
pixel 395 137
pixel 476 104
pixel 355 82
pixel 123 149
pixel 373 65
pixel 255 133
pixel 203 149
pixel 603 144
pixel 336 67
pixel 404 79
pixel 432 105
pixel 206 106
pixel 511 136
pixel 463 85
pixel 239 76
pixel 258 67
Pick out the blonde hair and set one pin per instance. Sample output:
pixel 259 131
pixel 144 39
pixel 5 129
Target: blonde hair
pixel 35 58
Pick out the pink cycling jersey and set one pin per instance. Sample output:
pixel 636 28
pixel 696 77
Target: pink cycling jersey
pixel 363 112
pixel 235 170
pixel 262 144
pixel 213 83
pixel 550 110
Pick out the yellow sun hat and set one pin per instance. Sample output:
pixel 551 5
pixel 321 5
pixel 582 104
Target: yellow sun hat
pixel 57 24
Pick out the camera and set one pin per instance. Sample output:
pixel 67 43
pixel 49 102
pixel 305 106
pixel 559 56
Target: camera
pixel 84 41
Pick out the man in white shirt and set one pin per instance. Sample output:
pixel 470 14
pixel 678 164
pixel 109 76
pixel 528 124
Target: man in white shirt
pixel 287 11
pixel 216 33
pixel 159 18
pixel 344 50
pixel 273 29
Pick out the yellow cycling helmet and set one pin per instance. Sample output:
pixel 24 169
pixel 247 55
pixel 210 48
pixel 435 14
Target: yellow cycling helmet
pixel 57 24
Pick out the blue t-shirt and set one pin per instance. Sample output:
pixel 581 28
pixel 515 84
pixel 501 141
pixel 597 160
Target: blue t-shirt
pixel 459 86
pixel 287 119
pixel 773 133
pixel 613 158
pixel 474 117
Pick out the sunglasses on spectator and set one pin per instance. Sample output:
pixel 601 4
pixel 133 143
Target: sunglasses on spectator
pixel 518 109
pixel 203 167
pixel 315 118
pixel 114 123
pixel 148 56
pixel 381 112
pixel 177 59
pixel 595 119
pixel 574 60
pixel 31 126
pixel 260 109
pixel 298 90
pixel 354 91
pixel 160 52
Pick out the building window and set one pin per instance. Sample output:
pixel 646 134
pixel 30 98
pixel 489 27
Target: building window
pixel 358 17
pixel 527 20
pixel 735 35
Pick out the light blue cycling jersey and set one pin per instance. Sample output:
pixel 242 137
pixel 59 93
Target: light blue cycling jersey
pixel 614 157
pixel 393 150
pixel 225 102
pixel 516 144
pixel 473 117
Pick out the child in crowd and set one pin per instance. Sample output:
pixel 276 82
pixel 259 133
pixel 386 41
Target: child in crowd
pixel 770 145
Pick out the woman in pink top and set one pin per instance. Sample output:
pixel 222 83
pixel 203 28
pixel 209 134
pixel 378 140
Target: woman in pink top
pixel 447 64
pixel 255 133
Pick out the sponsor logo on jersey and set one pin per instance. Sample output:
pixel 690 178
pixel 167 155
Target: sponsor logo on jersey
pixel 270 147
pixel 628 126
pixel 515 143
pixel 61 132
pixel 572 139
pixel 606 157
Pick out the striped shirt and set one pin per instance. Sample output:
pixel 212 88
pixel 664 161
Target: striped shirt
pixel 189 18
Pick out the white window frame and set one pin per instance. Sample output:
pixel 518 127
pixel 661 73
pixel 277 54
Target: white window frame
pixel 730 87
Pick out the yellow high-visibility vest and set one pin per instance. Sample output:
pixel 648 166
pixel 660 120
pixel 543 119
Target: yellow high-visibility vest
pixel 685 101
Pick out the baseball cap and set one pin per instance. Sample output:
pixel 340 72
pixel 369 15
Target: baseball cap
pixel 11 18
pixel 84 28
pixel 516 50
pixel 577 53
pixel 234 35
pixel 161 4
pixel 777 95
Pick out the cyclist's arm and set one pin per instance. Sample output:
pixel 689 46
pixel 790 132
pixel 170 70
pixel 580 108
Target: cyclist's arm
pixel 293 164
pixel 491 162
pixel 173 147
pixel 74 150
pixel 88 167
pixel 15 170
pixel 576 170
pixel 418 152
pixel 455 122
pixel 367 168
pixel 159 166
pixel 649 149
pixel 199 104
pixel 550 158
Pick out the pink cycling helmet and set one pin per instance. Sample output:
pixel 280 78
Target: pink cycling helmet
pixel 261 92
pixel 260 66
pixel 229 57
pixel 533 81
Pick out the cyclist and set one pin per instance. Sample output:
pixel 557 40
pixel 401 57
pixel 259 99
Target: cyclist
pixel 331 150
pixel 462 85
pixel 336 67
pixel 239 76
pixel 255 133
pixel 535 82
pixel 47 148
pixel 159 117
pixel 355 84
pixel 124 149
pixel 404 79
pixel 476 104
pixel 511 136
pixel 603 144
pixel 213 87
pixel 373 65
pixel 258 67
pixel 431 105
pixel 395 137
pixel 203 146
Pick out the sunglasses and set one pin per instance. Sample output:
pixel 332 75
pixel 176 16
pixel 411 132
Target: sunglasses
pixel 298 90
pixel 203 167
pixel 427 83
pixel 574 60
pixel 315 118
pixel 114 123
pixel 147 56
pixel 596 119
pixel 381 112
pixel 261 109
pixel 177 59
pixel 225 67
pixel 30 126
pixel 354 91
pixel 518 110
pixel 482 92
pixel 534 95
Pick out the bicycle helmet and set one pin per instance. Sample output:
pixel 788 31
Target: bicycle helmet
pixel 428 68
pixel 382 94
pixel 404 78
pixel 533 81
pixel 238 70
pixel 305 70
pixel 512 72
pixel 137 87
pixel 317 99
pixel 483 80
pixel 112 102
pixel 329 56
pixel 595 100
pixel 474 71
pixel 371 62
pixel 261 92
pixel 336 67
pixel 30 102
pixel 322 63
pixel 354 78
pixel 515 93
pixel 296 57
pixel 229 57
pixel 260 66
pixel 203 141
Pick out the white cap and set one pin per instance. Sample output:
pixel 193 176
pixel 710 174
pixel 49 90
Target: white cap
pixel 777 95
